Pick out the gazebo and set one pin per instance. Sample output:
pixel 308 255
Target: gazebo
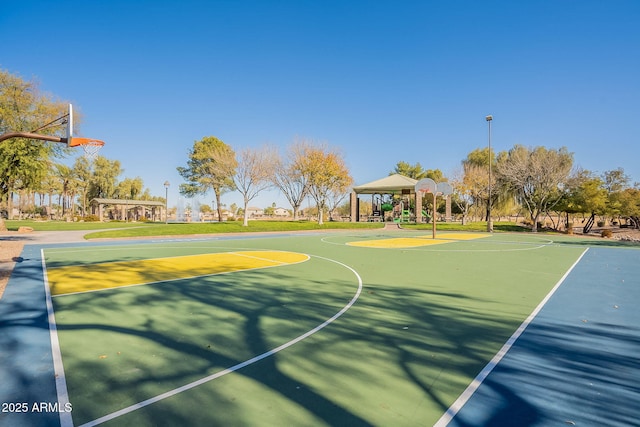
pixel 395 184
pixel 123 209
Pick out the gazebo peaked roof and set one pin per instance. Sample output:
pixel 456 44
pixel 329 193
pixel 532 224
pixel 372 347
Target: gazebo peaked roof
pixel 387 185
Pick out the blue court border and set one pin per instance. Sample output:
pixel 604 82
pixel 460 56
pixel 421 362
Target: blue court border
pixel 575 364
pixel 577 361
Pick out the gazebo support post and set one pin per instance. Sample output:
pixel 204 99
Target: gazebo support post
pixel 418 207
pixel 353 204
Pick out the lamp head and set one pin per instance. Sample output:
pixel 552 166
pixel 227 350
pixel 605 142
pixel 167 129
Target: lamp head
pixel 489 118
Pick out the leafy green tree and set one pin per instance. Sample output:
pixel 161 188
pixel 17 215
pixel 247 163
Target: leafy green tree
pixel 584 193
pixel 82 175
pixel 412 171
pixel 211 166
pixel 629 200
pixel 66 177
pixel 50 186
pixel 104 178
pixel 23 162
pixel 130 188
pixel 614 182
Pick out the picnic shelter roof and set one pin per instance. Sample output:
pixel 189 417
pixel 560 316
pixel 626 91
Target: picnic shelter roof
pixel 391 184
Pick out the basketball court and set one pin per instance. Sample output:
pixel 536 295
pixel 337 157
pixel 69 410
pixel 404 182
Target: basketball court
pixel 323 329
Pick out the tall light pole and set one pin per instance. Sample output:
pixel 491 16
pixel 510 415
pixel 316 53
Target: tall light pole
pixel 166 202
pixel 489 220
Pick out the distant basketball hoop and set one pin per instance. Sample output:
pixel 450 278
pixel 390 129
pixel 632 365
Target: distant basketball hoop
pixel 426 185
pixel 429 186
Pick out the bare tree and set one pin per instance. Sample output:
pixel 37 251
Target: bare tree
pixel 289 176
pixel 335 197
pixel 463 192
pixel 254 174
pixel 536 175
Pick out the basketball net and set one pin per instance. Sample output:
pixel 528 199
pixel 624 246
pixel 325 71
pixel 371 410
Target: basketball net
pixel 91 150
pixel 91 147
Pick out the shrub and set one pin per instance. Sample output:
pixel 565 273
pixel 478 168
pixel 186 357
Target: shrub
pixel 91 218
pixel 606 233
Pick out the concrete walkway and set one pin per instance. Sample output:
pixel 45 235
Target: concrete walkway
pixel 45 237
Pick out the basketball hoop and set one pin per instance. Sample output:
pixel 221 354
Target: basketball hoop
pixel 91 147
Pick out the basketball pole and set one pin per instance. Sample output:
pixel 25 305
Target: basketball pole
pixel 34 135
pixel 489 220
pixel 433 216
pixel 30 135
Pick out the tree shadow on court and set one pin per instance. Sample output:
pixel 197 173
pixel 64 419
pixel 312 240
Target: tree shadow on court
pixel 563 374
pixel 605 243
pixel 399 356
pixel 25 350
pixel 231 294
pixel 374 365
pixel 436 346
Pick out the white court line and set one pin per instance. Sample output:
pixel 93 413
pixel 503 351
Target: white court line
pixel 478 380
pixel 239 366
pixel 58 368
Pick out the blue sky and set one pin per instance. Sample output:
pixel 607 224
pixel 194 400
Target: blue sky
pixel 384 81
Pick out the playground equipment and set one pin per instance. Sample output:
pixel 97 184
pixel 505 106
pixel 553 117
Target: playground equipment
pixel 376 207
pixel 589 225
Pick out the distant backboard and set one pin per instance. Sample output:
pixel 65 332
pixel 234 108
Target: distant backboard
pixel 426 185
pixel 445 188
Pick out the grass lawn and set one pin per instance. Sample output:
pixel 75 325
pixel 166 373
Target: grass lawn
pixel 141 229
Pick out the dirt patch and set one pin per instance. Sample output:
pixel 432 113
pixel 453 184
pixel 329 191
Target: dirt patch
pixel 627 234
pixel 9 253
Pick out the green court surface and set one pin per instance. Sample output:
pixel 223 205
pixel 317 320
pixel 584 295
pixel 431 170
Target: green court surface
pixel 312 329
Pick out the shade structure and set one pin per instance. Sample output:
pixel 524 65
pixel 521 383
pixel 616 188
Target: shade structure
pixel 392 184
